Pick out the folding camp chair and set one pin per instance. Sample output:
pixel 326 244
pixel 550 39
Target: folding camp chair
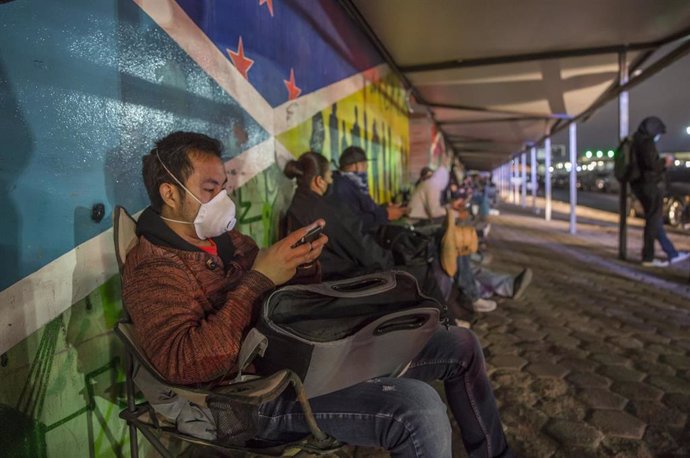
pixel 246 390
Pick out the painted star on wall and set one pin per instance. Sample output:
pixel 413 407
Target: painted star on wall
pixel 293 90
pixel 269 3
pixel 239 60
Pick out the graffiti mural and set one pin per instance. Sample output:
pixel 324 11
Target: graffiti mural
pixel 372 118
pixel 85 90
pixel 71 384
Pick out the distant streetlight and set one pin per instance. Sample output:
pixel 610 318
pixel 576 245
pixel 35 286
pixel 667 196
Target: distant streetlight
pixel 588 154
pixel 610 153
pixel 600 153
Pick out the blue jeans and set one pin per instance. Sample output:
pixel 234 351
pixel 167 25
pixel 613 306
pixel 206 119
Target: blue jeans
pixel 475 282
pixel 652 200
pixel 405 415
pixel 465 281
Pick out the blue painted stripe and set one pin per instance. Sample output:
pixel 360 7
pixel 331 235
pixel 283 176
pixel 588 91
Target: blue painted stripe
pixel 85 89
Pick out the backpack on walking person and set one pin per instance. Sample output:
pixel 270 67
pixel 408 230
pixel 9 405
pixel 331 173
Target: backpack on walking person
pixel 625 167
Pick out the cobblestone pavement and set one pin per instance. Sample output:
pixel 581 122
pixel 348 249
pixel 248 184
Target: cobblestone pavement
pixel 594 359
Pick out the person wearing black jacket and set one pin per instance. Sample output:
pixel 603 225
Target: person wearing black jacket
pixel 350 251
pixel 350 189
pixel 648 189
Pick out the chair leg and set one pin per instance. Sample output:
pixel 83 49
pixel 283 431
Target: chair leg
pixel 155 441
pixel 133 442
pixel 131 404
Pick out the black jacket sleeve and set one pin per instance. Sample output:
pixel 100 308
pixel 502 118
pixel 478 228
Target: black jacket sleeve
pixel 346 193
pixel 362 246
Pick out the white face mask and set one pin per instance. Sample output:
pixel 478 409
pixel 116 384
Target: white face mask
pixel 214 217
pixel 656 138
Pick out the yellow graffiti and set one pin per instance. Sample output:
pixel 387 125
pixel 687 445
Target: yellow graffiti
pixel 373 118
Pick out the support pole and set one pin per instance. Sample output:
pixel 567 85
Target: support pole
pixel 503 183
pixel 516 179
pixel 547 178
pixel 573 176
pixel 509 183
pixel 506 181
pixel 523 180
pixel 533 170
pixel 623 129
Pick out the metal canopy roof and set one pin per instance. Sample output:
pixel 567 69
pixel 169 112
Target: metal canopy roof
pixel 498 75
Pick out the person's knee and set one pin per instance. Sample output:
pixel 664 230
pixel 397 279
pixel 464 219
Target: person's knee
pixel 466 341
pixel 419 425
pixel 468 349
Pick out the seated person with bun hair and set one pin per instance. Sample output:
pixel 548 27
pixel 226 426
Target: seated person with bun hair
pixel 349 252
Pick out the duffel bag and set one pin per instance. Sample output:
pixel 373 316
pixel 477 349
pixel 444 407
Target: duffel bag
pixel 337 334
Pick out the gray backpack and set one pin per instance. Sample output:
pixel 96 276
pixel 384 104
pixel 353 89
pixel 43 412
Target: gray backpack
pixel 337 334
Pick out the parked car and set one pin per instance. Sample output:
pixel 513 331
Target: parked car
pixel 597 180
pixel 606 182
pixel 676 201
pixel 587 180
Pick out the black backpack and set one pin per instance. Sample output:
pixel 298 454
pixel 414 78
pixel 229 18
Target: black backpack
pixel 625 167
pixel 417 254
pixel 408 246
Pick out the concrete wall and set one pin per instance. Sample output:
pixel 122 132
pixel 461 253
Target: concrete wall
pixel 85 88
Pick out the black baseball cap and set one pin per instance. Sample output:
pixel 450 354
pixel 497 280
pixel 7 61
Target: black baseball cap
pixel 353 155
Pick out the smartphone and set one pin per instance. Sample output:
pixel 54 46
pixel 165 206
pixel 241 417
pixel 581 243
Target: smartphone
pixel 310 236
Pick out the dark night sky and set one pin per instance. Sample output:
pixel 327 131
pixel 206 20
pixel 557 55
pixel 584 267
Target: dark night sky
pixel 666 95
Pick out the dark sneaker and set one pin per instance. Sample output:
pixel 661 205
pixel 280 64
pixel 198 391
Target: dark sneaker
pixel 522 281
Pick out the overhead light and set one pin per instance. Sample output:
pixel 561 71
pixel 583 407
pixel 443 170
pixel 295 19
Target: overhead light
pixel 687 130
pixel 600 153
pixel 610 153
pixel 588 154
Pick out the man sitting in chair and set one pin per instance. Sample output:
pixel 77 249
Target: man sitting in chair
pixel 193 286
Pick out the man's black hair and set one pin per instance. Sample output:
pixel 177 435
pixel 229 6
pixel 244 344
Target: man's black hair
pixel 174 150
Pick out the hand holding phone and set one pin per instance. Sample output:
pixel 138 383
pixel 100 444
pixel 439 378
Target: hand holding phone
pixel 280 261
pixel 310 236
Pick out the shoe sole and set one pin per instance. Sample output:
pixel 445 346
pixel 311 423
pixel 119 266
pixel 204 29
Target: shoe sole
pixel 485 310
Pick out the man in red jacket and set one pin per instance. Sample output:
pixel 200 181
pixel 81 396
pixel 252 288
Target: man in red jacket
pixel 193 286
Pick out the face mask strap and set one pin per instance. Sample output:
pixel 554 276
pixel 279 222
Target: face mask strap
pixel 175 178
pixel 176 220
